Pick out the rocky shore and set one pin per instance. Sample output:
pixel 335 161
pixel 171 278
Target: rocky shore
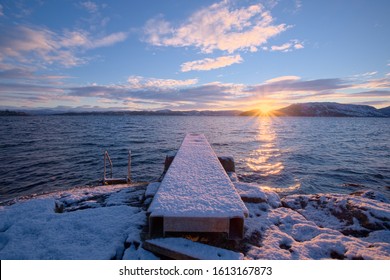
pixel 109 222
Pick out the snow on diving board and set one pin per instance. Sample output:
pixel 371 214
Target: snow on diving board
pixel 196 194
pixel 184 249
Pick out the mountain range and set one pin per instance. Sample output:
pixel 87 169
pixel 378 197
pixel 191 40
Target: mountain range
pixel 325 109
pixel 311 109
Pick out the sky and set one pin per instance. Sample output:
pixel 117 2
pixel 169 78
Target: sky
pixel 185 55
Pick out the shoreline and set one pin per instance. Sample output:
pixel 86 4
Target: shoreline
pixel 290 227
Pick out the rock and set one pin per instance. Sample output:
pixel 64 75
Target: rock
pixel 227 163
pixel 168 160
pixel 151 189
pixel 250 193
pixel 353 215
pixel 253 193
pixel 372 195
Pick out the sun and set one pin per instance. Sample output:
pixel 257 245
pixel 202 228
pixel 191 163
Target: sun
pixel 265 109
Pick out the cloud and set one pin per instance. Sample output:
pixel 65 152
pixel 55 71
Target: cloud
pixel 217 27
pixel 282 78
pixel 153 93
pixel 40 46
pixel 214 95
pixel 24 74
pixel 142 83
pixel 90 6
pixel 197 95
pixel 1 10
pixel 375 83
pixel 287 47
pixel 294 88
pixel 375 93
pixel 370 73
pixel 109 40
pixel 83 39
pixel 210 63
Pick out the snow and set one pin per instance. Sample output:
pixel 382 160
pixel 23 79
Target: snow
pixel 196 185
pixel 320 226
pixel 331 108
pixel 152 189
pixel 107 223
pixel 254 193
pixel 196 250
pixel 95 223
pixel 35 231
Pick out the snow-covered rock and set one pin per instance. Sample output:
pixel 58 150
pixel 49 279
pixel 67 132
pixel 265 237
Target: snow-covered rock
pixel 320 226
pixel 107 223
pixel 95 223
pixel 253 193
pixel 352 215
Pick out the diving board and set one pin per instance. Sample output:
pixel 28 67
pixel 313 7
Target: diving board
pixel 196 194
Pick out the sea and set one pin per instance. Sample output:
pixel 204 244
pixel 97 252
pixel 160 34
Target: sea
pixel 305 155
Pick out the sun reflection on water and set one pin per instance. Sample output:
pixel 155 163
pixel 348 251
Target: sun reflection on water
pixel 266 160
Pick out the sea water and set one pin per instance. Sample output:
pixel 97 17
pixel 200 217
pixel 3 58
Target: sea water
pixel 40 154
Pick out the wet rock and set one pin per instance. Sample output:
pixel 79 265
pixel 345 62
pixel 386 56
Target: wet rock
pixel 227 163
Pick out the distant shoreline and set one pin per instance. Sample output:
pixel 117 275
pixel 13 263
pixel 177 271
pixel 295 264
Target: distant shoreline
pixel 313 109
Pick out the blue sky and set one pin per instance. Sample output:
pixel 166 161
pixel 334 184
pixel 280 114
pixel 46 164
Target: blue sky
pixel 183 55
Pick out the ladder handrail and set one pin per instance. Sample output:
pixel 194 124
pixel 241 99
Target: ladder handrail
pixel 129 167
pixel 107 156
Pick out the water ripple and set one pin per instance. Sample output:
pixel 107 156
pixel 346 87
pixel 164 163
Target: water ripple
pixel 305 155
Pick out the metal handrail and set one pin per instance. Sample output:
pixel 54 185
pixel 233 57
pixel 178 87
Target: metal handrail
pixel 129 168
pixel 107 156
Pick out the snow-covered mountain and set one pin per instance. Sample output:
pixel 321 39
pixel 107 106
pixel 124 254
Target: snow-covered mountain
pixel 330 109
pixel 385 111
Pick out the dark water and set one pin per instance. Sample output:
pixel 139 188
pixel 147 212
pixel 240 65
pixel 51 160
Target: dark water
pixel 300 155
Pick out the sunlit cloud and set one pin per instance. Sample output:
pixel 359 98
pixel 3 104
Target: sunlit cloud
pixel 380 83
pixel 287 47
pixel 153 93
pixel 40 46
pixel 210 63
pixel 217 27
pixel 367 74
pixel 282 78
pixel 142 83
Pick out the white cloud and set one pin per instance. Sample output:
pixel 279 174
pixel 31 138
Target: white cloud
pixel 109 40
pixel 83 39
pixel 142 83
pixel 217 27
pixel 283 48
pixel 210 63
pixel 75 39
pixel 287 47
pixel 90 6
pixel 1 10
pixel 381 83
pixel 369 73
pixel 282 79
pixel 298 46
